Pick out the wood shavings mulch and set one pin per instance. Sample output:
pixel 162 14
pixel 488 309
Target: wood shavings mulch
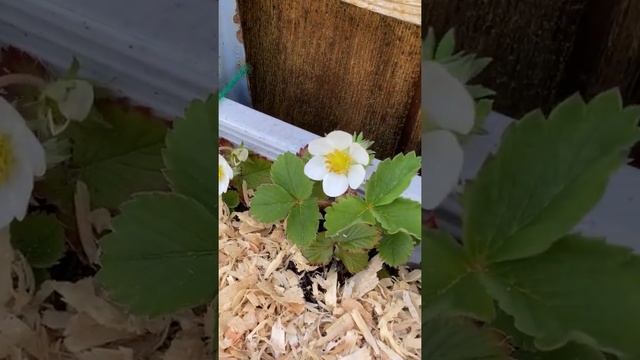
pixel 264 313
pixel 73 321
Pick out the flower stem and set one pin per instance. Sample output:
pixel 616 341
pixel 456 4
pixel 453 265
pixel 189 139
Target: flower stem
pixel 22 79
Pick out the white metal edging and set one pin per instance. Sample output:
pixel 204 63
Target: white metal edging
pixel 141 65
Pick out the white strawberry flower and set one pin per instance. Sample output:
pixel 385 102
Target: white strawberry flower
pixel 449 109
pixel 22 158
pixel 74 98
pixel 225 174
pixel 338 161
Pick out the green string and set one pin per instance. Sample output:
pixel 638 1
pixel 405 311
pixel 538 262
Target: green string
pixel 244 69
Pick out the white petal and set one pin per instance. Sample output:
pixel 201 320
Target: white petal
pixel 359 154
pixel 442 159
pixel 223 185
pixel 340 139
pixel 356 176
pixel 320 146
pixel 23 140
pixel 445 101
pixel 227 171
pixel 335 185
pixel 15 194
pixel 315 169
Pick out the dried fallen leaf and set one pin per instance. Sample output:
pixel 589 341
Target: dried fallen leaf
pixel 88 240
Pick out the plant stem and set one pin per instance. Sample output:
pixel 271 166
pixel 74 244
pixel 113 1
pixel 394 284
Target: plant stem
pixel 22 79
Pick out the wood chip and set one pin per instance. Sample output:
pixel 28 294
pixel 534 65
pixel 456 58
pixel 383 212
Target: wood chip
pixel 360 354
pixel 365 331
pixel 265 312
pixel 331 296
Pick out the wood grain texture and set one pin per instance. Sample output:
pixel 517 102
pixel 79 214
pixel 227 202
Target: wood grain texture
pixel 406 10
pixel 531 42
pixel 325 65
pixel 607 50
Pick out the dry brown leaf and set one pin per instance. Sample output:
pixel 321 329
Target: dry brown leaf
pixel 84 332
pixel 88 240
pixel 106 354
pixel 100 220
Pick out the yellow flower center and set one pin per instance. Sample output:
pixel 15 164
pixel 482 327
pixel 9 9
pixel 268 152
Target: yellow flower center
pixel 338 161
pixel 220 173
pixel 6 158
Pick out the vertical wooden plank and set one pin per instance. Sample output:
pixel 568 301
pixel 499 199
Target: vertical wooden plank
pixel 607 50
pixel 326 64
pixel 531 42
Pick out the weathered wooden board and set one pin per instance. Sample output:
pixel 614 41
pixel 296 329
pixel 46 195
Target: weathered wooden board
pixel 325 65
pixel 607 50
pixel 531 42
pixel 407 10
pixel 545 51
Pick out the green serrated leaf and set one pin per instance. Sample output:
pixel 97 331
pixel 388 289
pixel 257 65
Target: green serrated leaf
pixel 303 221
pixel 40 238
pixel 446 46
pixel 346 212
pixel 161 255
pixel 479 91
pixel 320 251
pixel 391 178
pixel 271 203
pixel 460 339
pixel 401 215
pixel 231 198
pixel 483 108
pixel 547 174
pixel 58 187
pixel 256 171
pixel 526 349
pixel 191 153
pixel 581 290
pixel 354 261
pixel 570 351
pixel 40 275
pixel 288 172
pixel 122 160
pixel 358 237
pixel 450 285
pixel 396 249
pixel 504 323
pixel 429 45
